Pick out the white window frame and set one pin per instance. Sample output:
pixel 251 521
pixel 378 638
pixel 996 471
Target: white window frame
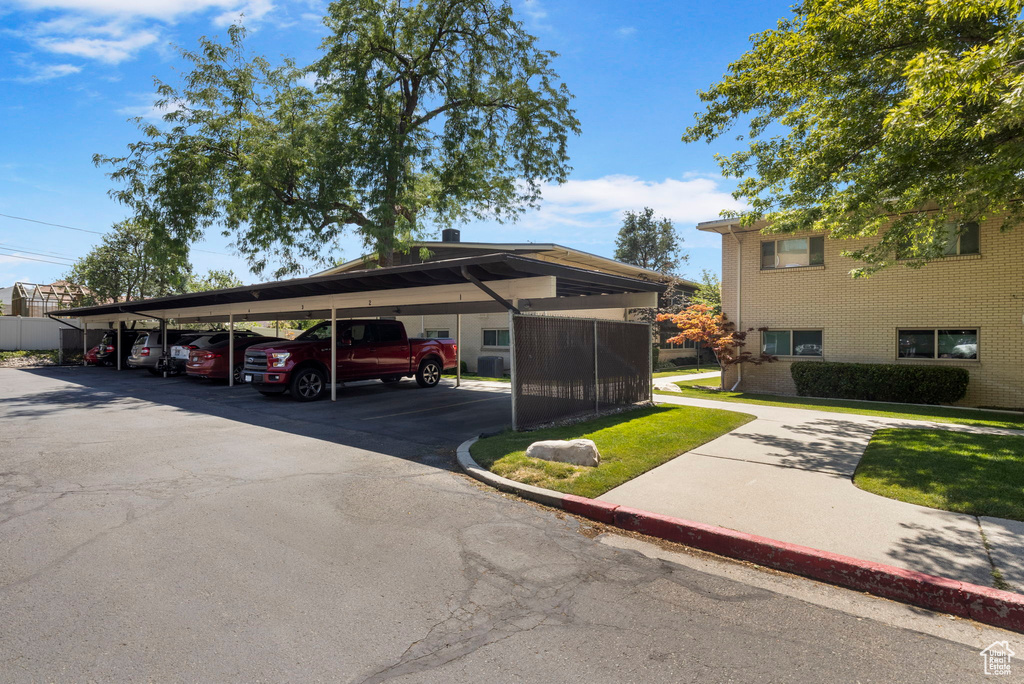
pixel 792 350
pixel 496 331
pixel 775 248
pixel 935 345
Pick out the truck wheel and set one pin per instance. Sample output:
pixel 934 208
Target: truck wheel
pixel 429 373
pixel 308 384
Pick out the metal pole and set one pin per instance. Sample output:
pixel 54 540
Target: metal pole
pixel 163 344
pixel 334 353
pixel 458 350
pixel 118 350
pixel 512 369
pixel 650 361
pixel 597 393
pixel 85 339
pixel 230 350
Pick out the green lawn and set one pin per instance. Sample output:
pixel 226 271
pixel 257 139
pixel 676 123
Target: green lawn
pixel 630 445
pixel 939 414
pixel 953 471
pixel 688 370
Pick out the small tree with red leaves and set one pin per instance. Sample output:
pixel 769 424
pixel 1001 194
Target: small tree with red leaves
pixel 701 324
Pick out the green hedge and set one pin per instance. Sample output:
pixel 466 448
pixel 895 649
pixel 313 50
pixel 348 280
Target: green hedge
pixel 880 382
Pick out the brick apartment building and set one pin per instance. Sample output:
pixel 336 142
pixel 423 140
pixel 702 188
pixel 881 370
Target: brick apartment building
pixel 965 309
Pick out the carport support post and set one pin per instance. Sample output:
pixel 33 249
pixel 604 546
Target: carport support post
pixel 163 344
pixel 597 394
pixel 334 353
pixel 458 350
pixel 85 339
pixel 231 350
pixel 118 352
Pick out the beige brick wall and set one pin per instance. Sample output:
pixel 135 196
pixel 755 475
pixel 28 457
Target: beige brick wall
pixel 859 318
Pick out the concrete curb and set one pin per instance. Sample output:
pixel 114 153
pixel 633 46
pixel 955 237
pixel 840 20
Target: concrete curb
pixel 991 606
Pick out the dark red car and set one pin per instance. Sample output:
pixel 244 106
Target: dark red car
pixel 90 356
pixel 212 362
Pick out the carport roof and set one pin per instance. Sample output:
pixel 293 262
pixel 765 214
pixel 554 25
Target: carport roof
pixel 493 268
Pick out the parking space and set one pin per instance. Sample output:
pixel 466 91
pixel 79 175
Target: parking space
pixel 440 416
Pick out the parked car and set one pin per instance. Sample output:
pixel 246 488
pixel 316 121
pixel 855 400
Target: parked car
pixel 182 350
pixel 366 349
pixel 148 349
pixel 211 361
pixel 107 353
pixel 90 356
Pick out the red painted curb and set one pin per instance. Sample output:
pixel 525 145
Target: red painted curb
pixel 600 511
pixel 991 606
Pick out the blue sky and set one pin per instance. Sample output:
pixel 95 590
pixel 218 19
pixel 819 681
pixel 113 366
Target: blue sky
pixel 74 71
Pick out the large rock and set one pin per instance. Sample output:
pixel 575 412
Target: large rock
pixel 581 452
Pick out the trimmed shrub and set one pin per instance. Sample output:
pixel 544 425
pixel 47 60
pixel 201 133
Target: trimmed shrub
pixel 880 382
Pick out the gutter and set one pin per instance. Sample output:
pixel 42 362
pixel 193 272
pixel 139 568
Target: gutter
pixel 739 299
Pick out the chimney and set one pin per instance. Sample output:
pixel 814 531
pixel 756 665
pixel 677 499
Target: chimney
pixel 450 235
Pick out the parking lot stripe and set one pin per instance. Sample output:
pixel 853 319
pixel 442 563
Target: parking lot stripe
pixel 434 408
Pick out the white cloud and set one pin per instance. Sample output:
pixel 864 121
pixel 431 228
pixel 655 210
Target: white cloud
pixel 153 9
pixel 248 13
pixel 535 12
pixel 582 202
pixel 113 31
pixel 151 112
pixel 47 72
pixel 106 50
pixel 625 31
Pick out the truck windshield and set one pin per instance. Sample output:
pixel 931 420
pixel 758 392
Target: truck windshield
pixel 321 331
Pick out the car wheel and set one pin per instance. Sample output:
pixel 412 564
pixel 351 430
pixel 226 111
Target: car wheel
pixel 429 373
pixel 308 384
pixel 237 374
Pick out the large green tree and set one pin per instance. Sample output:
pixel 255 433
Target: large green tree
pixel 213 280
pixel 649 242
pixel 130 263
pixel 862 112
pixel 417 114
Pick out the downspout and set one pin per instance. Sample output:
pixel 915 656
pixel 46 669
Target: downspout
pixel 739 299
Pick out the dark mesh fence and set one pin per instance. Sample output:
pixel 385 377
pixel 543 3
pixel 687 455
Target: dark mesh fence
pixel 71 342
pixel 557 376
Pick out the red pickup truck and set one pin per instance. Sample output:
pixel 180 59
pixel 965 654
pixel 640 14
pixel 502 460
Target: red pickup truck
pixel 366 350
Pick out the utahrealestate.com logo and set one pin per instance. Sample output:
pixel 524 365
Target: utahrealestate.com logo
pixel 997 658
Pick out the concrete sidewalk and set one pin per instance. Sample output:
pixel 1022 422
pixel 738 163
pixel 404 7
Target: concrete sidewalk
pixel 788 476
pixel 668 383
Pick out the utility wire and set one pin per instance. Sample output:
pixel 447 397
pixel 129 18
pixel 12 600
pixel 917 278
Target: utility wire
pixel 45 261
pixel 50 255
pixel 94 232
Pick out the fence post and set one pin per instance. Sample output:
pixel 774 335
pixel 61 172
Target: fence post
pixel 597 394
pixel 512 369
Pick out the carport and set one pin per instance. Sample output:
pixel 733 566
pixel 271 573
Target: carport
pixel 483 284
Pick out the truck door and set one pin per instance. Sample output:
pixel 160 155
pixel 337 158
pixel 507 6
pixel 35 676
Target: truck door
pixel 357 351
pixel 392 348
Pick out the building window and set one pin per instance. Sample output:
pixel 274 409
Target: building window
pixel 792 252
pixel 689 344
pixel 497 337
pixel 962 239
pixel 937 343
pixel 791 342
pixel 437 332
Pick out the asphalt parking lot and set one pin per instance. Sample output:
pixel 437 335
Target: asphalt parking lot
pixel 167 530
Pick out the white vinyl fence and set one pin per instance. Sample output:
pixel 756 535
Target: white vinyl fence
pixel 18 333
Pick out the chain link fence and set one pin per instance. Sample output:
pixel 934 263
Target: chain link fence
pixel 567 367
